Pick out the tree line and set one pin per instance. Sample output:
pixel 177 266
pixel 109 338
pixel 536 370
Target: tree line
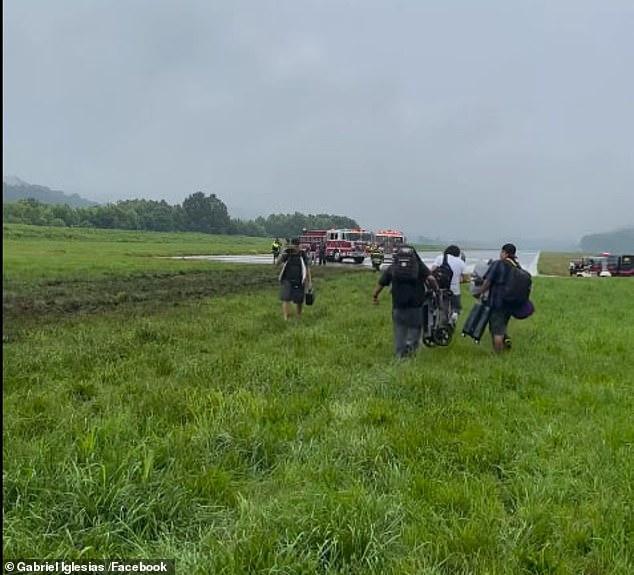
pixel 198 213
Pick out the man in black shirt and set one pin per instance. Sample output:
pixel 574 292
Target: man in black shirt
pixel 407 303
pixel 493 291
pixel 294 277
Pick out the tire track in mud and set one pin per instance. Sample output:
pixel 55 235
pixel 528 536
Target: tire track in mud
pixel 33 302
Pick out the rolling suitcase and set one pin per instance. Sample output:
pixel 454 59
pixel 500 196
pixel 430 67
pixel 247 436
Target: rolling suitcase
pixel 477 321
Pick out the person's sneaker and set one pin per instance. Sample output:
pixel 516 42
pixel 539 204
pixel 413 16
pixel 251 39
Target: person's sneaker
pixel 406 352
pixel 507 342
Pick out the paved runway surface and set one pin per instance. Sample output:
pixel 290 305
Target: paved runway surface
pixel 528 260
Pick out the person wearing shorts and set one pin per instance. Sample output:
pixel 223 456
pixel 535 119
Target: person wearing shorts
pixel 294 278
pixel 492 291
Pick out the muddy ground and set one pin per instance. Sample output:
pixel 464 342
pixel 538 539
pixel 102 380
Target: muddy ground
pixel 27 304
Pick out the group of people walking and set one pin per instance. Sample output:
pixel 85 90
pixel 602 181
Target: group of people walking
pixel 409 279
pixel 408 297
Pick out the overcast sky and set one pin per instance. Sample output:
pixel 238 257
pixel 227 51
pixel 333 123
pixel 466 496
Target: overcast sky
pixel 429 116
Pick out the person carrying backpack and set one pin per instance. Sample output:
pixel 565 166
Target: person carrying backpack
pixel 407 275
pixel 506 288
pixel 452 267
pixel 295 278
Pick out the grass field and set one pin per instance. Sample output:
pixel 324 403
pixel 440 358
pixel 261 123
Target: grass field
pixel 158 408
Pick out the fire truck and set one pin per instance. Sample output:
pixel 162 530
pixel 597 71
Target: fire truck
pixel 389 240
pixel 341 244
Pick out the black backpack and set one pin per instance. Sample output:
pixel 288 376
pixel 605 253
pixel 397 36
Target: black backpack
pixel 517 287
pixel 405 263
pixel 292 269
pixel 443 274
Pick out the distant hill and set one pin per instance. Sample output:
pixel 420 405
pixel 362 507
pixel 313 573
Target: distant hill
pixel 14 190
pixel 618 241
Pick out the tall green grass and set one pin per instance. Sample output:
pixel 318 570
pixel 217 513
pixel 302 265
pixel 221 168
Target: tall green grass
pixel 218 434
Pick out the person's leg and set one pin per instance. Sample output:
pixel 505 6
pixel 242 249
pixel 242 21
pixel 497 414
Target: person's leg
pixel 498 343
pixel 285 296
pixel 298 299
pixel 413 338
pixel 399 327
pixel 457 303
pixel 498 323
pixel 454 310
pixel 414 328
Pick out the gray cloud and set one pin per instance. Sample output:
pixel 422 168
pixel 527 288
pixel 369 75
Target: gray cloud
pixel 428 116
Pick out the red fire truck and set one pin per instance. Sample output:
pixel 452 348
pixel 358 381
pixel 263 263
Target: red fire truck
pixel 341 244
pixel 389 240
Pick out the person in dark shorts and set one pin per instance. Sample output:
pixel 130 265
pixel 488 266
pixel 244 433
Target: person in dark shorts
pixel 294 278
pixel 492 291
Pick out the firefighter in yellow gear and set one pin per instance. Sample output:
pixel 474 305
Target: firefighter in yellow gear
pixel 276 246
pixel 376 257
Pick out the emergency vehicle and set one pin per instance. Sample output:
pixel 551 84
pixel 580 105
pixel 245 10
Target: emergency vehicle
pixel 341 244
pixel 389 240
pixel 605 265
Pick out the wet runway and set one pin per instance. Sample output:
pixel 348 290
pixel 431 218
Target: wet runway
pixel 528 259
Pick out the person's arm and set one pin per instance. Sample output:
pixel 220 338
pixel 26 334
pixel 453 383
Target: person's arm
pixel 377 290
pixel 384 280
pixel 486 284
pixel 431 281
pixel 489 278
pixel 309 278
pixel 427 276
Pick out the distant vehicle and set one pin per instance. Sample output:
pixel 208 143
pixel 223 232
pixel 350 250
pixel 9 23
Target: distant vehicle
pixel 605 265
pixel 390 240
pixel 310 239
pixel 621 265
pixel 341 244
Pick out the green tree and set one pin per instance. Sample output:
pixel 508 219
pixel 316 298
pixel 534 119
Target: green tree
pixel 207 214
pixel 249 228
pixel 66 213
